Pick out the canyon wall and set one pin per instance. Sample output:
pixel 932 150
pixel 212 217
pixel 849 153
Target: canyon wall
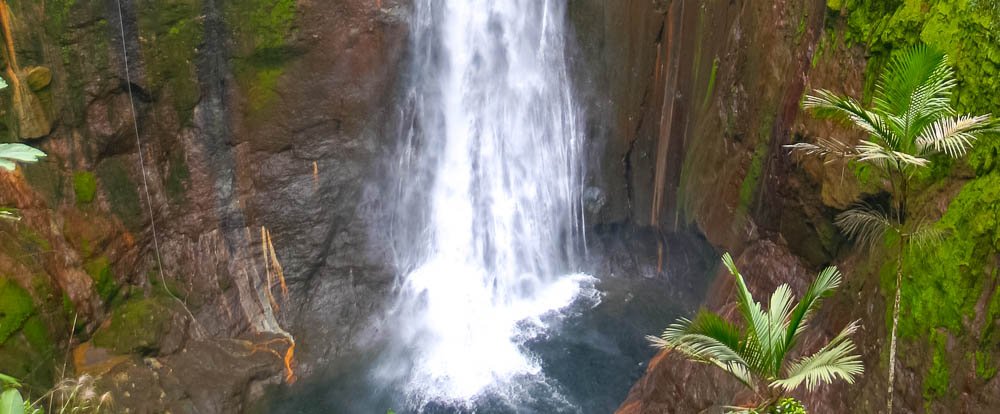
pixel 260 124
pixel 700 96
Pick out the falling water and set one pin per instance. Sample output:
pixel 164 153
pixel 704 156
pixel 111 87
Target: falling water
pixel 489 216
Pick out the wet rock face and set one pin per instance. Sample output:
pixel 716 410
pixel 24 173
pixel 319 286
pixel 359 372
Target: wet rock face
pixel 251 115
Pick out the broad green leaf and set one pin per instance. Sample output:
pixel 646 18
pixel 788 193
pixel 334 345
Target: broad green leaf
pixel 9 380
pixel 11 402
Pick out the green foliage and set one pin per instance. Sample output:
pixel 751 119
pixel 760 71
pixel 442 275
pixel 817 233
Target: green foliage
pixel 84 186
pixel 950 276
pixel 784 406
pixel 16 306
pixel 936 382
pixel 967 30
pixel 11 402
pixel 986 367
pixel 757 353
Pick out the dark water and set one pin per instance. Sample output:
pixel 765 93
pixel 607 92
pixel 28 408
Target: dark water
pixel 589 360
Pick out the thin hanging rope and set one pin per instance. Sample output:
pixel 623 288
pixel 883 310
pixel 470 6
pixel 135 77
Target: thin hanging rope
pixel 142 166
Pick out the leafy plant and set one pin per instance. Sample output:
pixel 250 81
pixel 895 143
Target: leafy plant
pixel 911 120
pixel 17 152
pixel 757 354
pixel 10 398
pixel 9 153
pixel 70 396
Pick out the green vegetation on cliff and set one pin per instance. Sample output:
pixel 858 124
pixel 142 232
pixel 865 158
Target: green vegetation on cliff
pixel 262 31
pixel 170 34
pixel 758 353
pixel 84 186
pixel 16 306
pixel 967 30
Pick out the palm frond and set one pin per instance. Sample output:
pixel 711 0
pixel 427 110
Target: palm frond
pixel 864 224
pixel 925 235
pixel 916 84
pixel 756 348
pixel 709 339
pixel 824 148
pixel 826 104
pixel 827 280
pixel 836 359
pixel 952 135
pixel 777 324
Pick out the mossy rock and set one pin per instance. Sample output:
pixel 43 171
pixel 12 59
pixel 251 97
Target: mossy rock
pixel 29 355
pixel 101 273
pixel 38 77
pixel 84 186
pixel 137 326
pixel 122 192
pixel 16 306
pixel 45 177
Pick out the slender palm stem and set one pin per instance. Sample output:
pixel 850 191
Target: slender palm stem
pixel 895 325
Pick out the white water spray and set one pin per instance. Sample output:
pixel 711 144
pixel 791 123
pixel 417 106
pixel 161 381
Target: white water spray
pixel 489 192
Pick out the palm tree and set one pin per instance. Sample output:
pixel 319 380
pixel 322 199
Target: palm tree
pixel 910 120
pixel 757 354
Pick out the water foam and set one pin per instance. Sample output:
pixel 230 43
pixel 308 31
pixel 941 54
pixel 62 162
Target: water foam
pixel 489 186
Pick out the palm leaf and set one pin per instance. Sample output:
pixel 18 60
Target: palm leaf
pixel 915 85
pixel 925 235
pixel 827 149
pixel 864 224
pixel 709 339
pixel 827 280
pixel 952 135
pixel 756 349
pixel 836 359
pixel 778 311
pixel 826 104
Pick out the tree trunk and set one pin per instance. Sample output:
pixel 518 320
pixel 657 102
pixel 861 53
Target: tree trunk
pixel 895 324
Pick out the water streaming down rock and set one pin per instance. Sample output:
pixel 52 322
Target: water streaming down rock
pixel 489 217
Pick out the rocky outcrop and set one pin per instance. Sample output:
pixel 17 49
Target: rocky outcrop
pixel 706 93
pixel 254 117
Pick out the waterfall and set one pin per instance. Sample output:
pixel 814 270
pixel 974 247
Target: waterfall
pixel 488 213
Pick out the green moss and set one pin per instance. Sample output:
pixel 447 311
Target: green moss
pixel 136 326
pixel 16 306
pixel 936 382
pixel 122 192
pixel 711 84
pixel 100 272
pixel 751 181
pixel 38 336
pixel 986 368
pixel 30 355
pixel 84 186
pixel 171 32
pixel 262 31
pixel 943 283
